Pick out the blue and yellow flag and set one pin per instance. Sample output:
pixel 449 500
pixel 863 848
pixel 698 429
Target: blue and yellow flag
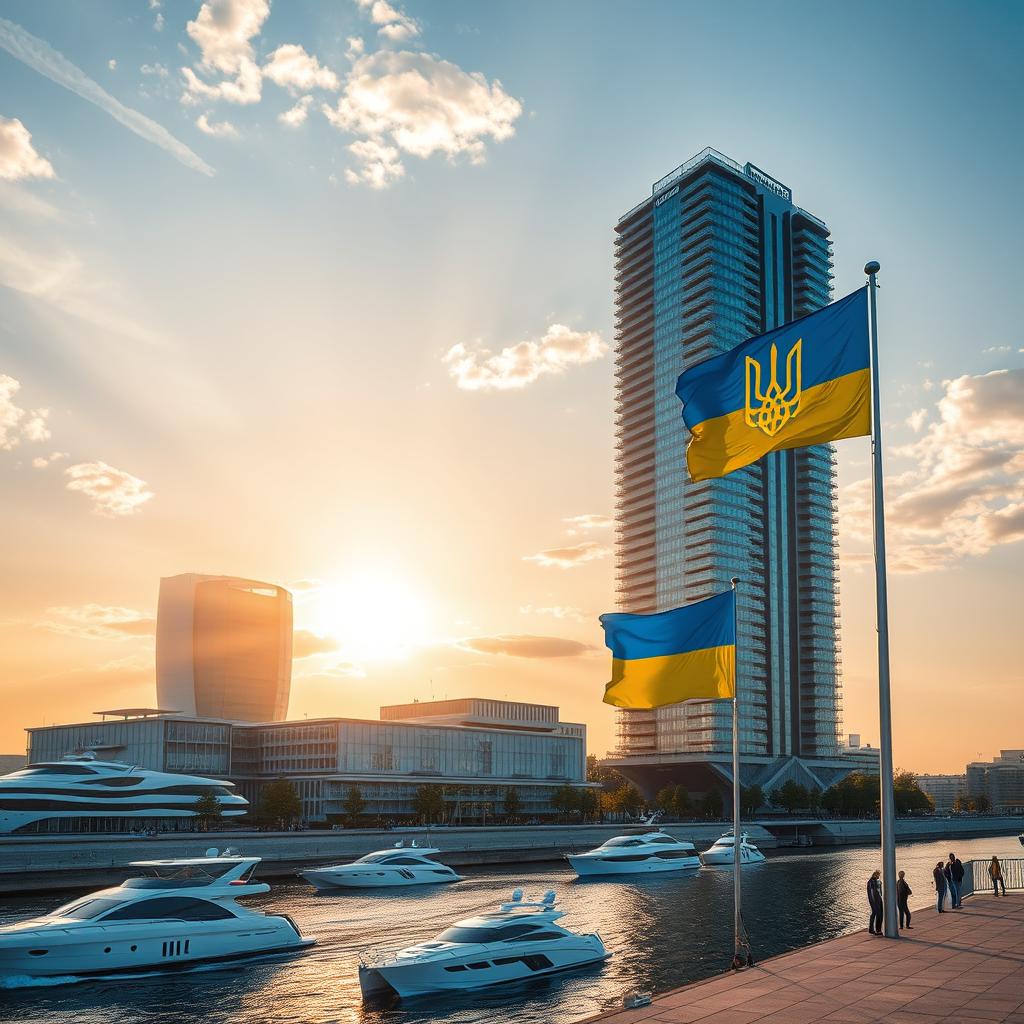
pixel 682 654
pixel 807 382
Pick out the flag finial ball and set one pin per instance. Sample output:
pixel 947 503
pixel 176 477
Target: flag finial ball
pixel 872 267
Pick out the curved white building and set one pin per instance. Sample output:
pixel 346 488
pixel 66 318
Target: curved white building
pixel 81 787
pixel 224 648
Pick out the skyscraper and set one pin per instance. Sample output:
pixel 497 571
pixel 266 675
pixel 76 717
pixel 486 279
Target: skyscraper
pixel 224 648
pixel 718 253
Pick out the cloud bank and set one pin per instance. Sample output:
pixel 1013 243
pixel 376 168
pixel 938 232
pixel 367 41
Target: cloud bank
pixel 113 492
pixel 524 645
pixel 570 556
pixel 18 157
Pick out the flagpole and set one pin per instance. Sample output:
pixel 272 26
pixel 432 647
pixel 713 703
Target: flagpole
pixel 737 920
pixel 887 809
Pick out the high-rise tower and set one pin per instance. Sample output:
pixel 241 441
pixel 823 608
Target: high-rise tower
pixel 224 648
pixel 718 253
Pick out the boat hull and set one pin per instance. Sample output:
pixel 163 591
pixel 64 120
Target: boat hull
pixel 480 969
pixel 95 950
pixel 377 878
pixel 725 858
pixel 587 867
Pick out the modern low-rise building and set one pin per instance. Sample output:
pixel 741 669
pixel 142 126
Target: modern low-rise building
pixel 1001 780
pixel 474 750
pixel 944 790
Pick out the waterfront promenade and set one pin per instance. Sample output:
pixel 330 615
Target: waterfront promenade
pixel 958 968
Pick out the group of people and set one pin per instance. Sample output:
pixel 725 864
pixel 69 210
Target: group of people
pixel 948 876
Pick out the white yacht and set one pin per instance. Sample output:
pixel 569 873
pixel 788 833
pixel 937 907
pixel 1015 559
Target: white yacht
pixel 519 940
pixel 722 852
pixel 401 865
pixel 82 786
pixel 177 915
pixel 632 855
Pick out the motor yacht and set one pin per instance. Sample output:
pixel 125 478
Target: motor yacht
pixel 81 786
pixel 401 865
pixel 631 855
pixel 722 852
pixel 179 914
pixel 519 940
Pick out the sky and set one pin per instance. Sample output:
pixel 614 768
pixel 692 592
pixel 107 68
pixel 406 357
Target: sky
pixel 321 294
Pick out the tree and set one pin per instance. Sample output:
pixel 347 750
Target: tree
pixel 982 804
pixel 855 796
pixel 909 796
pixel 666 800
pixel 590 802
pixel 751 798
pixel 512 802
pixel 354 805
pixel 428 803
pixel 280 803
pixel 791 796
pixel 609 778
pixel 711 805
pixel 207 809
pixel 564 800
pixel 628 799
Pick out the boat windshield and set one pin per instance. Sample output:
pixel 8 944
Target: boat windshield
pixel 622 841
pixel 495 933
pixel 84 910
pixel 183 876
pixel 375 858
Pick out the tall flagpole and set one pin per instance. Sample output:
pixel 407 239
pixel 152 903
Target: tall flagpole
pixel 737 912
pixel 888 814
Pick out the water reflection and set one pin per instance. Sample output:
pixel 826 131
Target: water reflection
pixel 663 930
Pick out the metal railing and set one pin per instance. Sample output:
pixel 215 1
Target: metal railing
pixel 978 880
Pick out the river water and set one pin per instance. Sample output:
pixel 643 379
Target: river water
pixel 664 931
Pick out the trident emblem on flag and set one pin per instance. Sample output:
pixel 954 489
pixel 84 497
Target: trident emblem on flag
pixel 775 407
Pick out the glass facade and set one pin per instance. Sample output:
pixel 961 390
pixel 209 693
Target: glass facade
pixel 716 255
pixel 528 750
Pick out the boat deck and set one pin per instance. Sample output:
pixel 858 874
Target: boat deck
pixel 962 967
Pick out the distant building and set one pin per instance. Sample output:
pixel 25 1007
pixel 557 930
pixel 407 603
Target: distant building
pixel 1001 780
pixel 944 790
pixel 863 757
pixel 12 762
pixel 476 750
pixel 224 648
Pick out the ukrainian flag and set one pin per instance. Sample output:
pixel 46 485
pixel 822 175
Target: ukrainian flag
pixel 668 657
pixel 807 382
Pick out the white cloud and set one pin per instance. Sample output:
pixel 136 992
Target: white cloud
pixel 379 165
pixel 916 420
pixel 246 88
pixel 588 521
pixel 557 611
pixel 219 129
pixel 355 47
pixel 18 424
pixel 995 348
pixel 42 461
pixel 18 157
pixel 112 64
pixel 519 645
pixel 159 70
pixel 158 22
pixel 393 24
pixel 223 30
pixel 98 622
pixel 113 492
pixel 292 68
pixel 294 116
pixel 47 61
pixel 420 105
pixel 964 491
pixel 570 556
pixel 523 363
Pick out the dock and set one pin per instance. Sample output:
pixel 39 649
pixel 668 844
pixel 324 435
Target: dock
pixel 960 967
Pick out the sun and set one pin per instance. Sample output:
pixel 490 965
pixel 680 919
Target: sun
pixel 375 615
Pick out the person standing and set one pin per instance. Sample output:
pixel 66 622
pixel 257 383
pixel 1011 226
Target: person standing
pixel 940 885
pixel 875 903
pixel 995 872
pixel 956 874
pixel 903 893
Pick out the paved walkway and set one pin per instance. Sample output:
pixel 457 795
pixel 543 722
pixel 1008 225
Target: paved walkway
pixel 958 968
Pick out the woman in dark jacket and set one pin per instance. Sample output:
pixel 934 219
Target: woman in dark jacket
pixel 940 884
pixel 875 903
